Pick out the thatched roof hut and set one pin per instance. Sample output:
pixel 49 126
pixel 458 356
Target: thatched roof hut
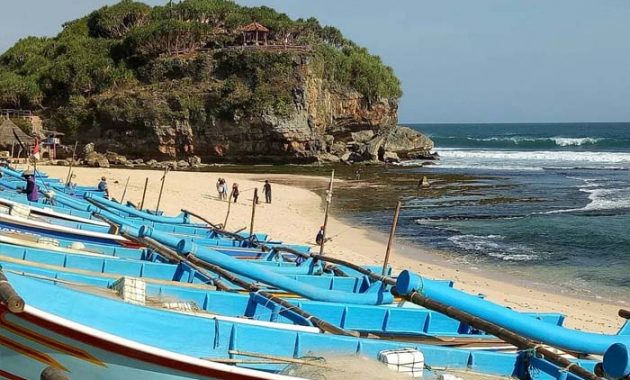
pixel 255 34
pixel 8 133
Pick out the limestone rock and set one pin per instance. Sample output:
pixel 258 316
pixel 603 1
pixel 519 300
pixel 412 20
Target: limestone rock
pixel 152 163
pixel 88 148
pixel 115 158
pixel 328 158
pixel 423 155
pixel 372 148
pixel 96 159
pixel 167 164
pixel 181 164
pixel 402 140
pixel 362 136
pixel 346 156
pixel 194 161
pixel 391 157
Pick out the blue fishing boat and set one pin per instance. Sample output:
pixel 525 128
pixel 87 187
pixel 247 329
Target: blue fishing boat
pixel 401 321
pixel 57 327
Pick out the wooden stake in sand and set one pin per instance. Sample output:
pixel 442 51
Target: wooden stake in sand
pixel 74 153
pixel 251 226
pixel 229 202
pixel 144 193
pixel 125 190
pixel 391 238
pixel 157 208
pixel 328 200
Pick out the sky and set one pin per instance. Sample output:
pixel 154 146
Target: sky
pixel 459 61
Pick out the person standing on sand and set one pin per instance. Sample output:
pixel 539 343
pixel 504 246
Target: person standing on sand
pixel 219 187
pixel 224 189
pixel 32 192
pixel 102 186
pixel 235 191
pixel 267 191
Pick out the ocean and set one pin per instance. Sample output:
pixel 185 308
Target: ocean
pixel 548 203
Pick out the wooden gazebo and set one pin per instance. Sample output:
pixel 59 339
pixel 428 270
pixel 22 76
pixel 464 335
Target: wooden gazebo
pixel 255 34
pixel 12 136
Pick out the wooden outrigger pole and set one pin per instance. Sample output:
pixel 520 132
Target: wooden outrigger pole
pixel 328 201
pixel 74 152
pixel 227 214
pixel 157 208
pixel 144 193
pixel 251 225
pixel 125 190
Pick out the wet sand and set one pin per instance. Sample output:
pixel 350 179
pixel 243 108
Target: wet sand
pixel 295 214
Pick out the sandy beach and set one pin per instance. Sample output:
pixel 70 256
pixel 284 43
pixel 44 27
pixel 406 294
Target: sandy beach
pixel 295 215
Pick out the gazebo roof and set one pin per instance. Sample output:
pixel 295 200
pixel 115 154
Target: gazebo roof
pixel 8 131
pixel 255 27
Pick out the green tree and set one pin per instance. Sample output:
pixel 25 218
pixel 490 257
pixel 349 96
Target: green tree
pixel 18 92
pixel 117 20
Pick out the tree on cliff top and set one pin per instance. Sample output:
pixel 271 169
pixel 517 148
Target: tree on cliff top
pixel 131 45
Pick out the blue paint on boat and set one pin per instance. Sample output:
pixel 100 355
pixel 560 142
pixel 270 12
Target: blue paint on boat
pixel 617 361
pixel 211 338
pixel 571 340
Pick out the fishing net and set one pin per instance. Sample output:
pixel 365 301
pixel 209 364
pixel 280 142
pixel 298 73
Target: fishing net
pixel 334 367
pixel 342 368
pixel 172 303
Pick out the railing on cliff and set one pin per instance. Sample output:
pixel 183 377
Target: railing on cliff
pixel 293 48
pixel 15 113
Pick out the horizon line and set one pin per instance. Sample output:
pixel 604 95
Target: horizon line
pixel 511 122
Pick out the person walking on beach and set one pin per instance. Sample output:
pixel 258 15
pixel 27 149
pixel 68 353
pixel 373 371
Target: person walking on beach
pixel 32 192
pixel 102 186
pixel 267 191
pixel 235 191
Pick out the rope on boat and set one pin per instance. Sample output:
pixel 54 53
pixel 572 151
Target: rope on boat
pixel 214 226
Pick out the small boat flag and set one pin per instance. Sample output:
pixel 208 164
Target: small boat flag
pixel 36 149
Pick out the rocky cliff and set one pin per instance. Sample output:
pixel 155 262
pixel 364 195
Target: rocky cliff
pixel 185 80
pixel 323 123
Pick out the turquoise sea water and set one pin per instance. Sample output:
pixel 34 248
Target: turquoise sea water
pixel 552 203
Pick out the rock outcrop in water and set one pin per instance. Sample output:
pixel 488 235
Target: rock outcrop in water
pixel 177 82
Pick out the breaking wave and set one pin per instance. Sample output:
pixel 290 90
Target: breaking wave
pixel 492 245
pixel 529 142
